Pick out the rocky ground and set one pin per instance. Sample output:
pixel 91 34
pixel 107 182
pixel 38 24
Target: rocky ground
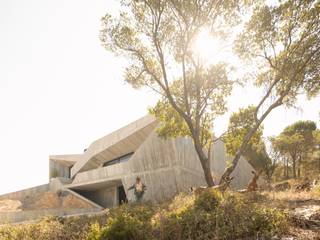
pixel 39 201
pixel 301 205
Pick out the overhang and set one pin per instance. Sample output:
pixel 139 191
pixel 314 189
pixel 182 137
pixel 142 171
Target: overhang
pixel 65 160
pixel 116 144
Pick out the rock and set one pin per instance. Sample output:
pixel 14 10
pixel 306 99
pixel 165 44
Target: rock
pixel 8 205
pixel 71 201
pixel 38 201
pixel 307 217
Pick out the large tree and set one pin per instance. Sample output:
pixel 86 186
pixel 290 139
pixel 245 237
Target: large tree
pixel 283 42
pixel 157 37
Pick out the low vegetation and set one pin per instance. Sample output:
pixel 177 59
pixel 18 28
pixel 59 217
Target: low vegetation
pixel 274 214
pixel 211 215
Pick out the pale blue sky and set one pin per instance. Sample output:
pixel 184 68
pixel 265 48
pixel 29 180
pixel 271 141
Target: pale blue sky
pixel 60 90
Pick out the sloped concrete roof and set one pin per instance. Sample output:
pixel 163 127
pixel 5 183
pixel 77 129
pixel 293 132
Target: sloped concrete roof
pixel 115 144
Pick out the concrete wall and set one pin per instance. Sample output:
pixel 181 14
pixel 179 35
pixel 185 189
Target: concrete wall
pixel 242 174
pixel 57 169
pixel 218 159
pixel 171 166
pixel 110 172
pixel 166 167
pixel 155 162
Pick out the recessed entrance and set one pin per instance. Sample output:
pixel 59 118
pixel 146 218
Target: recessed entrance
pixel 105 193
pixel 122 197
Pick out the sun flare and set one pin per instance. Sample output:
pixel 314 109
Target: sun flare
pixel 207 47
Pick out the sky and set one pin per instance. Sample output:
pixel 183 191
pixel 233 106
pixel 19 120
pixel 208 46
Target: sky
pixel 60 90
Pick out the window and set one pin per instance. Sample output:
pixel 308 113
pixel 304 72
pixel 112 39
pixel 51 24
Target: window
pixel 121 159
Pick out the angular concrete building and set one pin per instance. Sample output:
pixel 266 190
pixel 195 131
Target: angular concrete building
pixel 102 174
pixel 110 165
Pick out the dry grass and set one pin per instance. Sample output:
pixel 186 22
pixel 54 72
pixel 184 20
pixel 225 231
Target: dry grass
pixel 291 198
pixel 291 195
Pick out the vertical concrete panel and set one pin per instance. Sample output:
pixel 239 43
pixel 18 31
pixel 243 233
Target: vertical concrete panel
pixel 218 159
pixel 242 174
pixel 58 170
pixel 187 179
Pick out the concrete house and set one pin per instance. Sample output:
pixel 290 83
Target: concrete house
pixel 102 174
pixel 110 165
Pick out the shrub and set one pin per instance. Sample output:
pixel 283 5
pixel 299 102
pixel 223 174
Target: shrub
pixel 221 216
pixel 128 222
pixel 209 200
pixel 211 215
pixel 94 232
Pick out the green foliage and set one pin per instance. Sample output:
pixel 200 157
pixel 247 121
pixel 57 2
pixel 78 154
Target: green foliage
pixel 126 222
pixel 173 124
pixel 297 142
pixel 217 216
pixel 158 37
pixel 239 125
pixel 304 128
pixel 283 42
pixel 209 200
pixel 216 83
pixel 296 138
pixel 94 232
pixel 52 228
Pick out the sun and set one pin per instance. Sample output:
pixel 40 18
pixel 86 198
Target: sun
pixel 208 48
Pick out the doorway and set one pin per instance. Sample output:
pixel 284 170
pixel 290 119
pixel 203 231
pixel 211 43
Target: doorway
pixel 122 197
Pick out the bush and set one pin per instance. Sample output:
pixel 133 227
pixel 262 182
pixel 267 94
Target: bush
pixel 52 228
pixel 128 222
pixel 217 216
pixel 211 215
pixel 209 200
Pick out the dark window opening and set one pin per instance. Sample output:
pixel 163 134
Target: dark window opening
pixel 122 198
pixel 69 171
pixel 121 159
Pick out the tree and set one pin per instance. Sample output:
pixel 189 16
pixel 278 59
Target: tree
pixel 157 37
pixel 283 41
pixel 296 141
pixel 255 153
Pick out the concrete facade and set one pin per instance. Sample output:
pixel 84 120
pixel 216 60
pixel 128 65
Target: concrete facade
pixel 112 163
pixel 166 167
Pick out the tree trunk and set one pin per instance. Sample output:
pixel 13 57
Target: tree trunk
pixel 294 175
pixel 284 168
pixel 299 166
pixel 287 168
pixel 205 163
pixel 240 151
pixel 246 140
